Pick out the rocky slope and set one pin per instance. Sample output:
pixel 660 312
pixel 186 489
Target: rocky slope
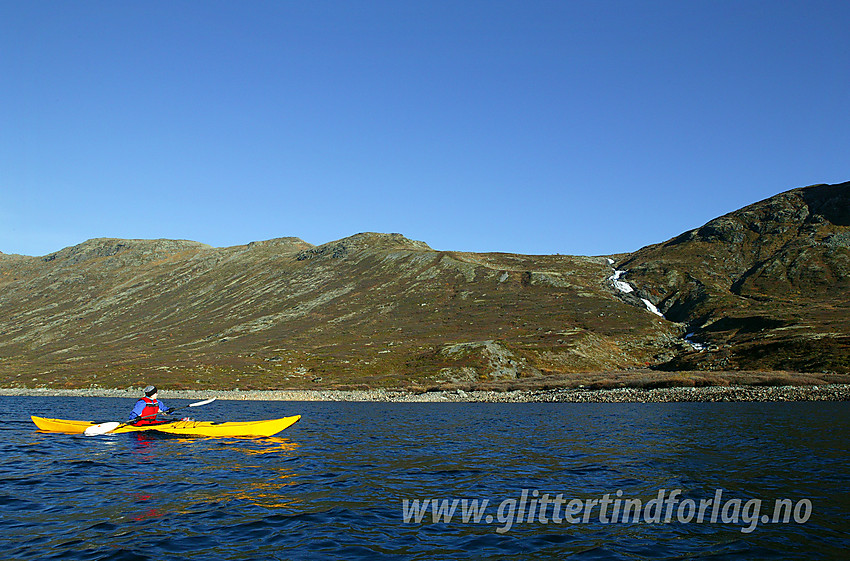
pixel 767 286
pixel 375 309
pixel 763 288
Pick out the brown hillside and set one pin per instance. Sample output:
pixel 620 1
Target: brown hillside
pixel 768 286
pixel 763 288
pixel 375 309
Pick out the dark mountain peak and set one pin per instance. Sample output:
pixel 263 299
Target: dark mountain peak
pixel 830 202
pixel 782 264
pixel 778 215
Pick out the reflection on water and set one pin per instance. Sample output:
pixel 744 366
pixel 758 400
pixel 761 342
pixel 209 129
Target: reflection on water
pixel 143 508
pixel 267 494
pixel 213 470
pixel 260 483
pixel 270 445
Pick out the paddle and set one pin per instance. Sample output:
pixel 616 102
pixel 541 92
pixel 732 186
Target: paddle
pixel 103 428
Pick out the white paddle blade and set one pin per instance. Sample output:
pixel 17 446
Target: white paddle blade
pixel 102 428
pixel 204 402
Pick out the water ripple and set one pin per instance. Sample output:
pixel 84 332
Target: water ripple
pixel 333 486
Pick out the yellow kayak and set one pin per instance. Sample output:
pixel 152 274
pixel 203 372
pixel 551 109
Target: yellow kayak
pixel 188 428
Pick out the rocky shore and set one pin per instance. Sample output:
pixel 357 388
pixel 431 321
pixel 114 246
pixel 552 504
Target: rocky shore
pixel 829 392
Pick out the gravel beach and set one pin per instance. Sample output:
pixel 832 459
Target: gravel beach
pixel 828 392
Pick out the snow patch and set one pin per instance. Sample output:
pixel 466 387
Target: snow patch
pixel 694 344
pixel 626 288
pixel 651 307
pixel 622 286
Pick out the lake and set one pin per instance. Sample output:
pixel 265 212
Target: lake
pixel 433 481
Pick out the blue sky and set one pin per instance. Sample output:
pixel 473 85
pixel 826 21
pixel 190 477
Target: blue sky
pixel 539 127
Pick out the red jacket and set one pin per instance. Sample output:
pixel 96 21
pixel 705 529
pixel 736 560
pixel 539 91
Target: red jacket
pixel 148 413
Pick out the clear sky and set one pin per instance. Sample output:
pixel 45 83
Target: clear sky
pixel 577 127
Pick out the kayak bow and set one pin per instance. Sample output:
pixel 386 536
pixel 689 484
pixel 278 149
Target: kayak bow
pixel 187 428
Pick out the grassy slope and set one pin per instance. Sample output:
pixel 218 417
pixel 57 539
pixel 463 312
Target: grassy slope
pixel 371 309
pixel 766 287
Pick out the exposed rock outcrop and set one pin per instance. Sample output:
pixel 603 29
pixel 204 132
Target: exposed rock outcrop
pixel 768 282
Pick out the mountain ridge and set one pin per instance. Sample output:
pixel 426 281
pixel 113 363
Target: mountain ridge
pixel 761 288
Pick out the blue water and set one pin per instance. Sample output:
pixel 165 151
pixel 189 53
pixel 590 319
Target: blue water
pixel 333 485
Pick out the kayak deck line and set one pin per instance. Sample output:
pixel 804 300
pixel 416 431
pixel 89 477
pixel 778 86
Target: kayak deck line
pixel 188 427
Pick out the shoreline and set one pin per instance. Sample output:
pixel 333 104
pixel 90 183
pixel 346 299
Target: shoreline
pixel 826 392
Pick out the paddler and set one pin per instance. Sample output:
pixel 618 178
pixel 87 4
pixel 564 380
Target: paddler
pixel 147 408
